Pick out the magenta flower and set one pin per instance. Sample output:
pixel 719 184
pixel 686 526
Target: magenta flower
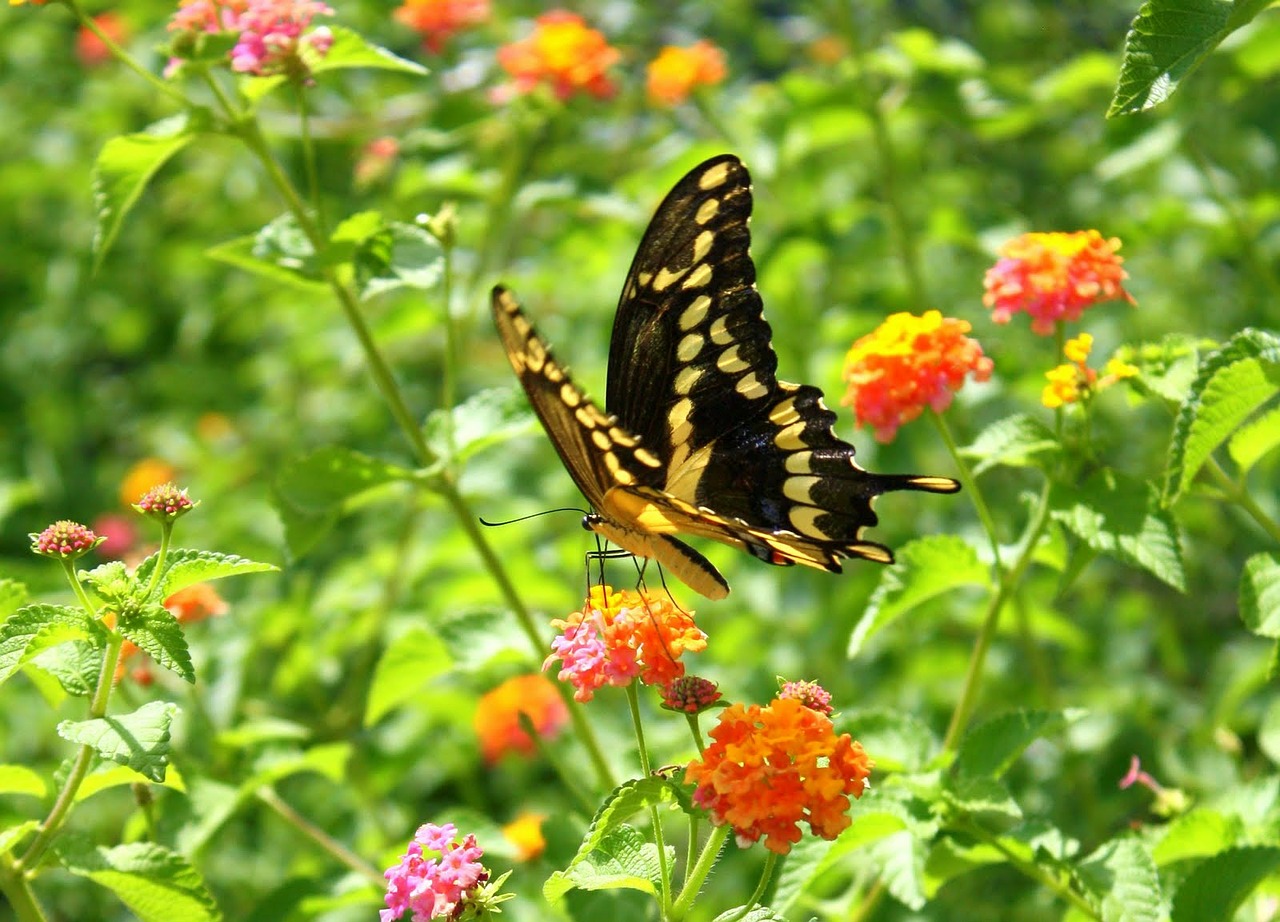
pixel 810 694
pixel 274 37
pixel 435 886
pixel 65 540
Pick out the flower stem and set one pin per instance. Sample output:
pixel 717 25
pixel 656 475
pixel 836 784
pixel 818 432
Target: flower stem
pixel 664 869
pixel 697 875
pixel 1236 493
pixel 16 887
pixel 766 873
pixel 166 533
pixel 1034 871
pixel 127 59
pixel 330 845
pixel 1008 583
pixel 970 484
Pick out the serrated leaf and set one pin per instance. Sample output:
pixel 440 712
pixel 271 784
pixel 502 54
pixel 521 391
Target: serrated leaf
pixel 756 914
pixel 1255 440
pixel 1260 595
pixel 37 627
pixel 989 749
pixel 895 741
pixel 900 858
pixel 1013 441
pixel 1217 886
pixel 1125 882
pixel 350 49
pixel 1230 385
pixel 1198 833
pixel 926 568
pixel 618 859
pixel 18 779
pixel 1122 517
pixel 122 170
pixel 403 256
pixel 76 665
pixel 156 884
pixel 981 794
pixel 185 567
pixel 139 740
pixel 484 419
pixel 13 595
pixel 156 631
pixel 1167 40
pixel 405 669
pixel 111 581
pixel 628 799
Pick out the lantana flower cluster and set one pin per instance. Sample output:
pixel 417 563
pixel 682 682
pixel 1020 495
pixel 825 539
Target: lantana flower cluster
pixel 772 767
pixel 497 718
pixel 620 636
pixel 909 363
pixel 436 875
pixel 275 36
pixel 440 20
pixel 1053 277
pixel 1075 381
pixel 565 54
pixel 676 72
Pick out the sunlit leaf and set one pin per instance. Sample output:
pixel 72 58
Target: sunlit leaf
pixel 158 885
pixel 139 740
pixel 1218 885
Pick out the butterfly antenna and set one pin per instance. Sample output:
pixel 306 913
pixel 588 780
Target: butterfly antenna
pixel 533 515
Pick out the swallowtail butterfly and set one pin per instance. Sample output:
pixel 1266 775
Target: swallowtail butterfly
pixel 700 438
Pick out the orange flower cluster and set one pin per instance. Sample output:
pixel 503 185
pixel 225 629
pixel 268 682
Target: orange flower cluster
pixel 497 718
pixel 677 72
pixel 909 363
pixel 440 20
pixel 1054 277
pixel 1076 381
pixel 564 53
pixel 769 768
pixel 619 636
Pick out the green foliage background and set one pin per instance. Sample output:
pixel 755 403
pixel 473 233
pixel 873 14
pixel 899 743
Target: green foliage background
pixel 993 114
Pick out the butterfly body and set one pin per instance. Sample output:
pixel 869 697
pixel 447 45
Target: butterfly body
pixel 700 437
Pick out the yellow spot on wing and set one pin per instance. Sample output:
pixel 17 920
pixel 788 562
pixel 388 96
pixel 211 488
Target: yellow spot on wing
pixel 749 386
pixel 800 489
pixel 702 244
pixel 699 277
pixel 788 438
pixel 569 394
pixel 719 331
pixel 713 177
pixel 799 462
pixel 686 378
pixel 665 277
pixel 689 347
pixel 601 440
pixel 730 362
pixel 695 313
pixel 707 210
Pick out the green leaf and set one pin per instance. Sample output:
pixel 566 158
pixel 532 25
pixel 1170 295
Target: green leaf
pixel 1231 384
pixel 106 776
pixel 350 49
pixel 1123 877
pixel 13 594
pixel 185 567
pixel 484 419
pixel 38 627
pixel 279 253
pixel 156 632
pixel 329 760
pixel 896 741
pixel 1121 516
pixel 618 859
pixel 900 858
pixel 991 748
pixel 1255 440
pixel 401 256
pixel 1198 833
pixel 18 779
pixel 1217 886
pixel 156 884
pixel 405 670
pixel 76 665
pixel 12 836
pixel 758 913
pixel 139 740
pixel 1260 595
pixel 1013 441
pixel 111 581
pixel 124 167
pixel 1167 40
pixel 981 795
pixel 926 568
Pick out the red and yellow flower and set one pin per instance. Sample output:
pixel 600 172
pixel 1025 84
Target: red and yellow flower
pixel 1075 381
pixel 563 53
pixel 440 20
pixel 771 767
pixel 1053 277
pixel 676 72
pixel 620 636
pixel 497 717
pixel 909 363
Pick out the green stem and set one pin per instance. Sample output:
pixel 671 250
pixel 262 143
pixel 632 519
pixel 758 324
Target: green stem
pixel 970 484
pixel 126 59
pixel 1236 493
pixel 664 869
pixel 766 873
pixel 327 843
pixel 1034 871
pixel 697 875
pixel 1009 582
pixel 449 381
pixel 309 154
pixel 16 887
pixel 867 905
pixel 166 534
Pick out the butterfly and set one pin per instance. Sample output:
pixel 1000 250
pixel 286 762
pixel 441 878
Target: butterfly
pixel 699 437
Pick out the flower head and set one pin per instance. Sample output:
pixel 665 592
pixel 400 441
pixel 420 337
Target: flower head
pixel 436 877
pixel 165 502
pixel 1054 277
pixel 147 473
pixel 274 37
pixel 525 833
pixel 564 53
pixel 909 363
pixel 690 694
pixel 207 16
pixel 677 72
pixel 497 717
pixel 810 694
pixel 772 767
pixel 92 50
pixel 1075 381
pixel 619 636
pixel 65 540
pixel 439 20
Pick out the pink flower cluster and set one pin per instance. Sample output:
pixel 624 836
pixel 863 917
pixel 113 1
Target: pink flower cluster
pixel 434 887
pixel 810 694
pixel 273 33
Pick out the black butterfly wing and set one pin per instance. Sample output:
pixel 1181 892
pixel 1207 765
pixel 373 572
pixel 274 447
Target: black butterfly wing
pixel 603 458
pixel 747 459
